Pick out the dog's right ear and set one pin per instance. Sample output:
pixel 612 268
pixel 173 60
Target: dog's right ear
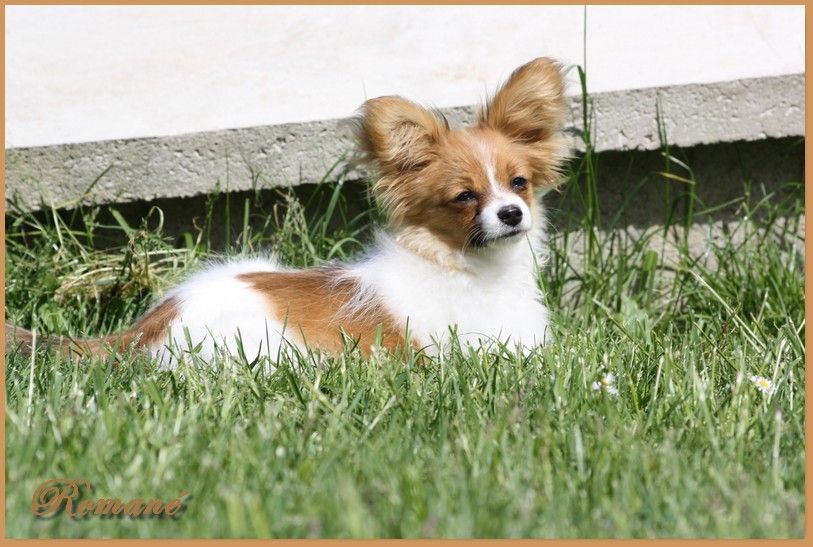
pixel 399 136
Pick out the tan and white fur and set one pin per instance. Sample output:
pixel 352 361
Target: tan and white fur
pixel 460 252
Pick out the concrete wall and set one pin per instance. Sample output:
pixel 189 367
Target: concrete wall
pixel 302 153
pixel 90 73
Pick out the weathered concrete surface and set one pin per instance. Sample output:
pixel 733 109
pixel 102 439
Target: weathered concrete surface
pixel 292 154
pixel 631 191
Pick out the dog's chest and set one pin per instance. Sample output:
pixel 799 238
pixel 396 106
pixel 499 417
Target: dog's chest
pixel 434 302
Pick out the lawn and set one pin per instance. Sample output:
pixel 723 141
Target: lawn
pixel 644 417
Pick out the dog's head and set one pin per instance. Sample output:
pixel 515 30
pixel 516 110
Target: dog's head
pixel 473 187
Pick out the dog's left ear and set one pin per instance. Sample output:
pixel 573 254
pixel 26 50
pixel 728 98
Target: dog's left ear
pixel 530 106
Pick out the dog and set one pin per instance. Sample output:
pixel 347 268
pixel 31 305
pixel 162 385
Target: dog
pixel 459 256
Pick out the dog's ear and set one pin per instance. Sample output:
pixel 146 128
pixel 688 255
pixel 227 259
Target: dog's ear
pixel 530 107
pixel 399 136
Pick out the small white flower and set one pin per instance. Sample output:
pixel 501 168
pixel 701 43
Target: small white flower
pixel 377 353
pixel 607 384
pixel 279 452
pixel 763 384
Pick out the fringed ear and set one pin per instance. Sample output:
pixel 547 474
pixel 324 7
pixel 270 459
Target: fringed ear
pixel 398 136
pixel 400 139
pixel 530 107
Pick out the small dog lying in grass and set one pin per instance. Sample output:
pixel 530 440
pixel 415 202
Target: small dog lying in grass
pixel 460 254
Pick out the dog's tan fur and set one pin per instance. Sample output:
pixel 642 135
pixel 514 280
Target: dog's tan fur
pixel 149 329
pixel 311 304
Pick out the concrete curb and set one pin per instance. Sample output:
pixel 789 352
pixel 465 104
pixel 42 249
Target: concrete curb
pixel 289 154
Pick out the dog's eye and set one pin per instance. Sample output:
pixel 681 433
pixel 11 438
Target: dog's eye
pixel 519 183
pixel 464 197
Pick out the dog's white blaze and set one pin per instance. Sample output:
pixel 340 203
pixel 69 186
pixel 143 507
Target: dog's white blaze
pixel 490 174
pixel 490 222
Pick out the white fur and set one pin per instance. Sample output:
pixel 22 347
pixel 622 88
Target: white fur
pixel 217 310
pixel 490 223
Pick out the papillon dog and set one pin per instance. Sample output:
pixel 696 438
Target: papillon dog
pixel 460 255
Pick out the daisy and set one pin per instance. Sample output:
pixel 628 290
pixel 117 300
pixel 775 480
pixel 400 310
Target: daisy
pixel 607 384
pixel 763 384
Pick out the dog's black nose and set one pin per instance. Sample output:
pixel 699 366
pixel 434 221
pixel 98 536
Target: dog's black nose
pixel 511 215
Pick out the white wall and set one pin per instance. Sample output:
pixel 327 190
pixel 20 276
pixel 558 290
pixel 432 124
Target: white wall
pixel 76 74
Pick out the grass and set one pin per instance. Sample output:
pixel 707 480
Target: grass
pixel 482 442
